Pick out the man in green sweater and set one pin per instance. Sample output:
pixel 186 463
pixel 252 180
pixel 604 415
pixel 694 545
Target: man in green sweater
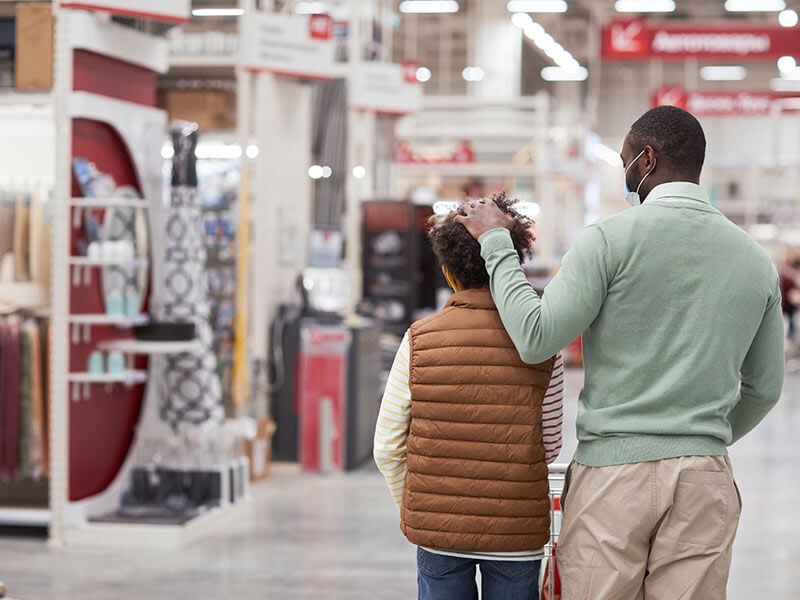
pixel 680 313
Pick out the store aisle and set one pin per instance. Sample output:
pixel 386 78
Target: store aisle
pixel 309 537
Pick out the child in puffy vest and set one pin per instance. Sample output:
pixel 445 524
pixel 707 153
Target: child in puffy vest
pixel 466 431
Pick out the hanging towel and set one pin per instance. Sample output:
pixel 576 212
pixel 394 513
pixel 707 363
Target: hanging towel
pixel 25 416
pixel 6 227
pixel 38 425
pixel 21 239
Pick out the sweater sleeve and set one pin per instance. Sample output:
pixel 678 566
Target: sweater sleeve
pixel 553 412
pixel 762 371
pixel 394 421
pixel 541 327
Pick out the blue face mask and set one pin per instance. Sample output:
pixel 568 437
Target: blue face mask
pixel 630 196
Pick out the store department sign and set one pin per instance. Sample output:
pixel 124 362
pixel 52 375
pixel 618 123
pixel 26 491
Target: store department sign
pixel 637 40
pixel 174 10
pixel 384 88
pixel 296 46
pixel 717 104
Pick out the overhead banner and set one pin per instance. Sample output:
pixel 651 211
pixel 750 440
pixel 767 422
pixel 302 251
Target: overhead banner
pixel 384 88
pixel 296 46
pixel 718 104
pixel 639 40
pixel 157 10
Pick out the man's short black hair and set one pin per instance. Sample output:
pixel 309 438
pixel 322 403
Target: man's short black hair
pixel 457 250
pixel 675 134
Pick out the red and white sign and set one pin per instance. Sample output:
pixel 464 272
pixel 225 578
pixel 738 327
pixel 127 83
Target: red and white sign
pixel 717 104
pixel 158 10
pixel 384 88
pixel 638 40
pixel 320 27
pixel 297 46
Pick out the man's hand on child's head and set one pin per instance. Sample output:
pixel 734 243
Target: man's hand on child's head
pixel 482 215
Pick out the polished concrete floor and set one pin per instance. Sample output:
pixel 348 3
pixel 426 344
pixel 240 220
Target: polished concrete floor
pixel 308 537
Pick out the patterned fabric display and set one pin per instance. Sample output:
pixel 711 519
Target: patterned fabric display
pixel 189 383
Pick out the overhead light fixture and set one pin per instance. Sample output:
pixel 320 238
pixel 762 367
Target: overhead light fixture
pixel 315 171
pixel 779 84
pixel 787 18
pixel 537 6
pixel 218 150
pixel 723 73
pixel 644 6
pixel 423 74
pixel 791 74
pixel 549 46
pixel 521 19
pixel 310 8
pixel 786 64
pixel 217 12
pixel 472 74
pixel 754 5
pixel 359 171
pixel 428 6
pixel 561 74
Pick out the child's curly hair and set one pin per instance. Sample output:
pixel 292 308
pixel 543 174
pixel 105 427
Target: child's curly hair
pixel 457 250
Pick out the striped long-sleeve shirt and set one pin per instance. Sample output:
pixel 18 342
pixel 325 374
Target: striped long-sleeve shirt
pixel 394 421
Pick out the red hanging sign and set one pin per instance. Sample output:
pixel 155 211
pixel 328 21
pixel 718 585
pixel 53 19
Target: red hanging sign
pixel 718 104
pixel 638 40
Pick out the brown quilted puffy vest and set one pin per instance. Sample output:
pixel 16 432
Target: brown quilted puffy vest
pixel 477 478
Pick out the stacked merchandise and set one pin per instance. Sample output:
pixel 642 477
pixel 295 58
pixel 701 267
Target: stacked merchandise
pixel 218 182
pixel 179 475
pixel 23 411
pixel 24 249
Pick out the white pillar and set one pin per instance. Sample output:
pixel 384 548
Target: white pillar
pixel 281 194
pixel 497 49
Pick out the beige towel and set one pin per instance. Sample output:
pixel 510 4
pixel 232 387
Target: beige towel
pixel 21 237
pixel 6 227
pixel 39 242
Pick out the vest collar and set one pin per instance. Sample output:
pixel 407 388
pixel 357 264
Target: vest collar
pixel 473 298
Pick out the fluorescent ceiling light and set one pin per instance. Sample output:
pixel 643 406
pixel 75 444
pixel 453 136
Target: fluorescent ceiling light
pixel 644 6
pixel 217 12
pixel 218 150
pixel 537 6
pixel 472 74
pixel 754 5
pixel 723 73
pixel 310 8
pixel 791 75
pixel 778 84
pixel 787 18
pixel 429 6
pixel 521 19
pixel 560 74
pixel 423 74
pixel 786 64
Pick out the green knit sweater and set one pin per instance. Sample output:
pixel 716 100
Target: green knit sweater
pixel 681 320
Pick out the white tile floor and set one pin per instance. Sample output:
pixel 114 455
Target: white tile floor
pixel 336 537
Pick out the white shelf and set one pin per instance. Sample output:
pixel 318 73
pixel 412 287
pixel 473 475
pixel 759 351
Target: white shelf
pixel 132 346
pixel 23 295
pixel 188 61
pixel 109 202
pixel 475 169
pixel 103 319
pixel 28 517
pixel 126 377
pixel 41 99
pixel 84 261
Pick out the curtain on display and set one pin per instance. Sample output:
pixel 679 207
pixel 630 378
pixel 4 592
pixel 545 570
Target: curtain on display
pixel 329 147
pixel 23 402
pixel 189 385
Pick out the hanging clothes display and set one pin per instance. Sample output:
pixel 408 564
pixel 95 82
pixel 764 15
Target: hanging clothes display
pixel 23 414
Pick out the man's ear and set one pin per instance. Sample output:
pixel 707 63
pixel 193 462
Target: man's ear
pixel 648 158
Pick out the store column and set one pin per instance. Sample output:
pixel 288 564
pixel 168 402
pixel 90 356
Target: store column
pixel 497 49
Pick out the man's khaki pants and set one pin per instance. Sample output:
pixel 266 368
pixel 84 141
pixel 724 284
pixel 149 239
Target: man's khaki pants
pixel 659 530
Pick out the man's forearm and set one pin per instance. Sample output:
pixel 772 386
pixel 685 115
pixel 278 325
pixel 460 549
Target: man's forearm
pixel 541 327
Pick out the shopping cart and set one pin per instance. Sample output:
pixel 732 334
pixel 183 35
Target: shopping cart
pixel 551 584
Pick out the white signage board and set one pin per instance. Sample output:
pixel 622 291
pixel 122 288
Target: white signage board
pixel 384 88
pixel 159 10
pixel 296 46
